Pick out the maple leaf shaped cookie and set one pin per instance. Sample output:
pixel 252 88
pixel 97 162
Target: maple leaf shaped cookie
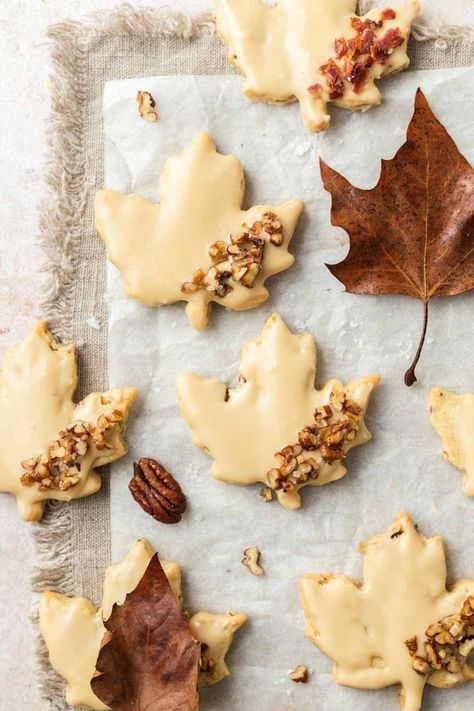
pixel 74 629
pixel 315 51
pixel 49 445
pixel 275 427
pixel 452 416
pixel 402 625
pixel 197 245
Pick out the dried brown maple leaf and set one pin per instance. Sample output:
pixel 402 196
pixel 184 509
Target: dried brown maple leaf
pixel 413 233
pixel 148 659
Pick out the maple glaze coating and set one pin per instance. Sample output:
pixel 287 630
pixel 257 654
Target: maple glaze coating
pixel 244 427
pixel 281 50
pixel 217 633
pixel 37 383
pixel 158 247
pixel 452 416
pixel 73 628
pixel 364 628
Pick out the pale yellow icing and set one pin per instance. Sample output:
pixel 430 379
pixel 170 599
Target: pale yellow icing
pixel 243 428
pixel 217 632
pixel 158 247
pixel 281 48
pixel 364 628
pixel 37 383
pixel 73 628
pixel 453 418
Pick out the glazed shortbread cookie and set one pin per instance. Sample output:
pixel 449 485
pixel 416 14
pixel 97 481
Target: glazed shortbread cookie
pixel 197 245
pixel 73 628
pixel 49 446
pixel 275 427
pixel 315 51
pixel 452 416
pixel 402 625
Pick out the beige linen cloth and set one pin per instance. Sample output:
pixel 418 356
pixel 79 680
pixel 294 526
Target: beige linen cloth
pixel 73 540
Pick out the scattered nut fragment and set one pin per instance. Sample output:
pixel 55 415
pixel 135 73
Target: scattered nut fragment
pixel 147 106
pixel 448 643
pixel 300 674
pixel 239 259
pixel 266 493
pixel 157 491
pixel 251 560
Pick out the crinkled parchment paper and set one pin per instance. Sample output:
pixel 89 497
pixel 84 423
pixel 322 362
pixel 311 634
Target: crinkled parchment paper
pixel 400 469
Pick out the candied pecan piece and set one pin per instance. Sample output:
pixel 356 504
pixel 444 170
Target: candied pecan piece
pixel 157 491
pixel 340 47
pixel 358 77
pixel 388 14
pixel 390 41
pixel 367 41
pixel 333 79
pixel 361 25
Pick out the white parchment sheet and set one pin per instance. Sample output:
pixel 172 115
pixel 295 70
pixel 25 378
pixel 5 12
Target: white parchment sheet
pixel 400 469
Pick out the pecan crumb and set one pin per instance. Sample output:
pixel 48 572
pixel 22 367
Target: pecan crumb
pixel 300 674
pixel 251 560
pixel 448 643
pixel 266 493
pixel 147 106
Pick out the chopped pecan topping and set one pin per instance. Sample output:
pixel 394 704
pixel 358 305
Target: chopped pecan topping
pixel 239 259
pixel 60 466
pixel 357 54
pixel 251 560
pixel 157 491
pixel 334 425
pixel 300 674
pixel 448 643
pixel 147 106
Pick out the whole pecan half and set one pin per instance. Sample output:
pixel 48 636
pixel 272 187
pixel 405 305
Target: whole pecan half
pixel 157 491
